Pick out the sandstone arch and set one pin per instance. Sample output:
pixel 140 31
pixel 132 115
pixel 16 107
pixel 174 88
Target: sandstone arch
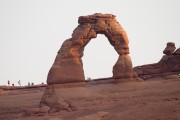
pixel 68 66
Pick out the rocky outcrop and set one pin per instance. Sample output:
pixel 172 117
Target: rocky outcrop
pixel 50 102
pixel 177 52
pixel 170 48
pixel 168 65
pixel 68 66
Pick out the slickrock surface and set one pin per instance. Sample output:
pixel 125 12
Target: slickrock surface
pixel 177 52
pixel 155 99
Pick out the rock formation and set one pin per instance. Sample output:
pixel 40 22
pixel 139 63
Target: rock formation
pixel 169 64
pixel 50 102
pixel 177 52
pixel 170 48
pixel 68 66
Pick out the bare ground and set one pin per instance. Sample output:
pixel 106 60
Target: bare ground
pixel 155 99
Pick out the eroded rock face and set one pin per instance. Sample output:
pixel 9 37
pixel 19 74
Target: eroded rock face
pixel 124 65
pixel 170 48
pixel 68 66
pixel 169 64
pixel 50 102
pixel 177 52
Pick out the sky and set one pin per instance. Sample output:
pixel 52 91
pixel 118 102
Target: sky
pixel 32 31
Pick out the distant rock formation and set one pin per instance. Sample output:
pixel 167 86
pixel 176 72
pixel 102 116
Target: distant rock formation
pixel 168 65
pixel 170 48
pixel 68 66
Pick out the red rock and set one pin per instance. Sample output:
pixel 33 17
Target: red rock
pixel 168 65
pixel 51 102
pixel 170 48
pixel 124 65
pixel 172 77
pixel 177 52
pixel 97 116
pixel 68 66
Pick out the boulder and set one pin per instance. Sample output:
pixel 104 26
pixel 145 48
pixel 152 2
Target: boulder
pixel 170 48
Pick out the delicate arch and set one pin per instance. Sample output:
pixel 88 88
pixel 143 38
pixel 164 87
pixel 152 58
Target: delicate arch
pixel 68 65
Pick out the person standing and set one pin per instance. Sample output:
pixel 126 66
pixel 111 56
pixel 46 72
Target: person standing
pixel 8 82
pixel 19 82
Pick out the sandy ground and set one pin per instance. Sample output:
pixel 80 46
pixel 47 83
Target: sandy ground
pixel 155 99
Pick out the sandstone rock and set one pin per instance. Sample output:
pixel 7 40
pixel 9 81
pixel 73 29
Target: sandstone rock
pixel 51 103
pixel 168 65
pixel 93 18
pixel 96 116
pixel 124 65
pixel 31 110
pixel 63 105
pixel 126 80
pixel 68 66
pixel 49 98
pixel 177 52
pixel 55 119
pixel 169 50
pixel 172 77
pixel 44 109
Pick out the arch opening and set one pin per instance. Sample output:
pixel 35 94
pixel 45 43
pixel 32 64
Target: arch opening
pixel 99 58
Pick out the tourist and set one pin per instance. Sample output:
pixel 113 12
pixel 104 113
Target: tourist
pixel 19 82
pixel 28 83
pixel 8 82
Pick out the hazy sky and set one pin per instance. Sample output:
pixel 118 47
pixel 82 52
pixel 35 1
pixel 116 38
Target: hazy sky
pixel 32 31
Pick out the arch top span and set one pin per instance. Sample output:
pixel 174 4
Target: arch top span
pixel 68 66
pixel 91 25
